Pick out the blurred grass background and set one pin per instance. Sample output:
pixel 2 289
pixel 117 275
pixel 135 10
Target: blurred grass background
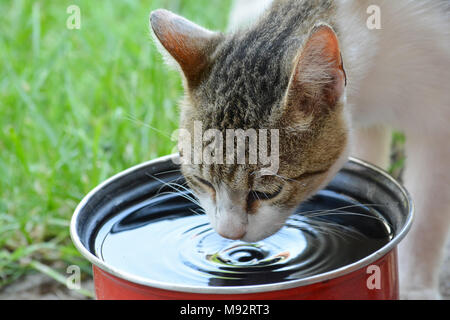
pixel 76 107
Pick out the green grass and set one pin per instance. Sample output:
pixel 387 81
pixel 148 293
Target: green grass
pixel 398 155
pixel 76 107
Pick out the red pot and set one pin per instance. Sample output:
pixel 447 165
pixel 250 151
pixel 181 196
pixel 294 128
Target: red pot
pixel 372 278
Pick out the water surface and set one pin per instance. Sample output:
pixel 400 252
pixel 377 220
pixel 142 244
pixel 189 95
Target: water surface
pixel 167 240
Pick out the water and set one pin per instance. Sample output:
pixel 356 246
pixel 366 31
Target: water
pixel 167 240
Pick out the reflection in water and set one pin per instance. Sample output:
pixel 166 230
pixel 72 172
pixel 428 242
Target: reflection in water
pixel 166 240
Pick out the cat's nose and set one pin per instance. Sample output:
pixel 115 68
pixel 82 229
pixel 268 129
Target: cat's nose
pixel 232 233
pixel 231 222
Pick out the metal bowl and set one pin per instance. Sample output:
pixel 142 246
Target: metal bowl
pixel 358 180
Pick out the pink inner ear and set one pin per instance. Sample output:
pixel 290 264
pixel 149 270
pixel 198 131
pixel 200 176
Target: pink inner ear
pixel 322 54
pixel 332 53
pixel 182 39
pixel 326 38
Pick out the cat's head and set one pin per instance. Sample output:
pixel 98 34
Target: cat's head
pixel 291 83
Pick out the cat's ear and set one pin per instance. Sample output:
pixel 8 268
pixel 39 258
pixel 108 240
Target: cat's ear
pixel 318 80
pixel 189 45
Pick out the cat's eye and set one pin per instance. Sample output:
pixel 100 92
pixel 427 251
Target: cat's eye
pixel 205 183
pixel 308 175
pixel 254 196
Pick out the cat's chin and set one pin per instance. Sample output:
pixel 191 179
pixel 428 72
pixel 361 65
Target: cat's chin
pixel 255 238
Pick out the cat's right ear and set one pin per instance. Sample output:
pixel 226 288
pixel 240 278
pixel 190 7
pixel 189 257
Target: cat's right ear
pixel 187 44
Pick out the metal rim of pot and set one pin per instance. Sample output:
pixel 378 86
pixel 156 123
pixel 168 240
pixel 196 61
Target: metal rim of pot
pixel 241 289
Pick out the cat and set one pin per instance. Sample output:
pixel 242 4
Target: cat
pixel 334 88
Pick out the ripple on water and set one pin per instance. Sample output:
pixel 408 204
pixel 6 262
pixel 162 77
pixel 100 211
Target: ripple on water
pixel 163 240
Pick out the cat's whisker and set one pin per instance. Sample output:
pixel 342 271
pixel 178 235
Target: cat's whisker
pixel 187 197
pixel 285 178
pixel 170 171
pixel 325 230
pixel 183 192
pixel 191 199
pixel 318 215
pixel 185 189
pixel 131 118
pixel 197 213
pixel 338 229
pixel 163 183
pixel 180 194
pixel 362 205
pixel 329 226
pixel 317 228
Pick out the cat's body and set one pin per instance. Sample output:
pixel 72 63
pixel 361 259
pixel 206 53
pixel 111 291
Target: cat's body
pixel 284 71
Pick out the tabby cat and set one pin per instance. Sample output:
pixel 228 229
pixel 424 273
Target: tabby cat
pixel 333 87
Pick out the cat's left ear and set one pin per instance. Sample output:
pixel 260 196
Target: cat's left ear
pixel 188 44
pixel 319 79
